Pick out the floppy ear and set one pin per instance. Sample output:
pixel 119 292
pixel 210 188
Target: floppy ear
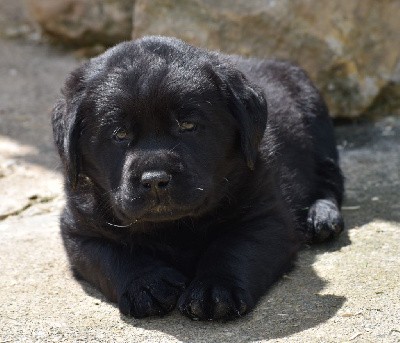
pixel 247 104
pixel 66 127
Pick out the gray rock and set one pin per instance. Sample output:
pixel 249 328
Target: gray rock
pixel 14 19
pixel 84 22
pixel 348 47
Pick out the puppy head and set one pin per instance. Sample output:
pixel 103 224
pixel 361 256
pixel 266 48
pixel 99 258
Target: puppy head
pixel 164 129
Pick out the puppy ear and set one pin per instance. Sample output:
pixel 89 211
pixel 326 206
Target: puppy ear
pixel 66 127
pixel 247 104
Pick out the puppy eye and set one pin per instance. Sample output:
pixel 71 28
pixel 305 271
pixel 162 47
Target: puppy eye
pixel 187 126
pixel 120 135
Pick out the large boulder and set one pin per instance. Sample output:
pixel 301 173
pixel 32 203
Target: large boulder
pixel 14 20
pixel 349 48
pixel 84 22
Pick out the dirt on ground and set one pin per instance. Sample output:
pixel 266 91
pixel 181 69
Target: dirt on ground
pixel 344 291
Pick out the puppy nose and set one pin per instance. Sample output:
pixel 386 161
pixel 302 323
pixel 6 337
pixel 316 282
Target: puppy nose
pixel 155 179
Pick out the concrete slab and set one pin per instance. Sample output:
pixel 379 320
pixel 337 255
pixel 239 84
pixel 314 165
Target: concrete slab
pixel 345 291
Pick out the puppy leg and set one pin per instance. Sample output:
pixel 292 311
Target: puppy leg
pixel 324 220
pixel 140 284
pixel 236 270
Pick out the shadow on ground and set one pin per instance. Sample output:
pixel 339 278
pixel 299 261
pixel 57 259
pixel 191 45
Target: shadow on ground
pixel 31 78
pixel 294 304
pixel 370 158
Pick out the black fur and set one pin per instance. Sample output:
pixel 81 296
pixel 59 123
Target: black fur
pixel 192 177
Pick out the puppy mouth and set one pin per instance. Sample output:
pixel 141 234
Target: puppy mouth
pixel 131 205
pixel 158 210
pixel 163 213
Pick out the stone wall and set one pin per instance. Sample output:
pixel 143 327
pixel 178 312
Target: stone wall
pixel 349 48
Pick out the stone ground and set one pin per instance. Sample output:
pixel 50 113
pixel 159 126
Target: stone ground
pixel 345 291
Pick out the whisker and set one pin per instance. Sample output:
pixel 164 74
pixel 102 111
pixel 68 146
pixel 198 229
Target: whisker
pixel 128 225
pixel 171 150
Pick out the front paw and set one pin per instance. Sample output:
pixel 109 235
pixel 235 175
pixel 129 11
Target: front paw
pixel 212 298
pixel 154 293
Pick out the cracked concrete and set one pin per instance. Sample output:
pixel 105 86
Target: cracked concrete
pixel 30 202
pixel 345 291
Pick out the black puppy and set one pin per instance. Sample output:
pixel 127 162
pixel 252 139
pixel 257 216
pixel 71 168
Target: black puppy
pixel 192 177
